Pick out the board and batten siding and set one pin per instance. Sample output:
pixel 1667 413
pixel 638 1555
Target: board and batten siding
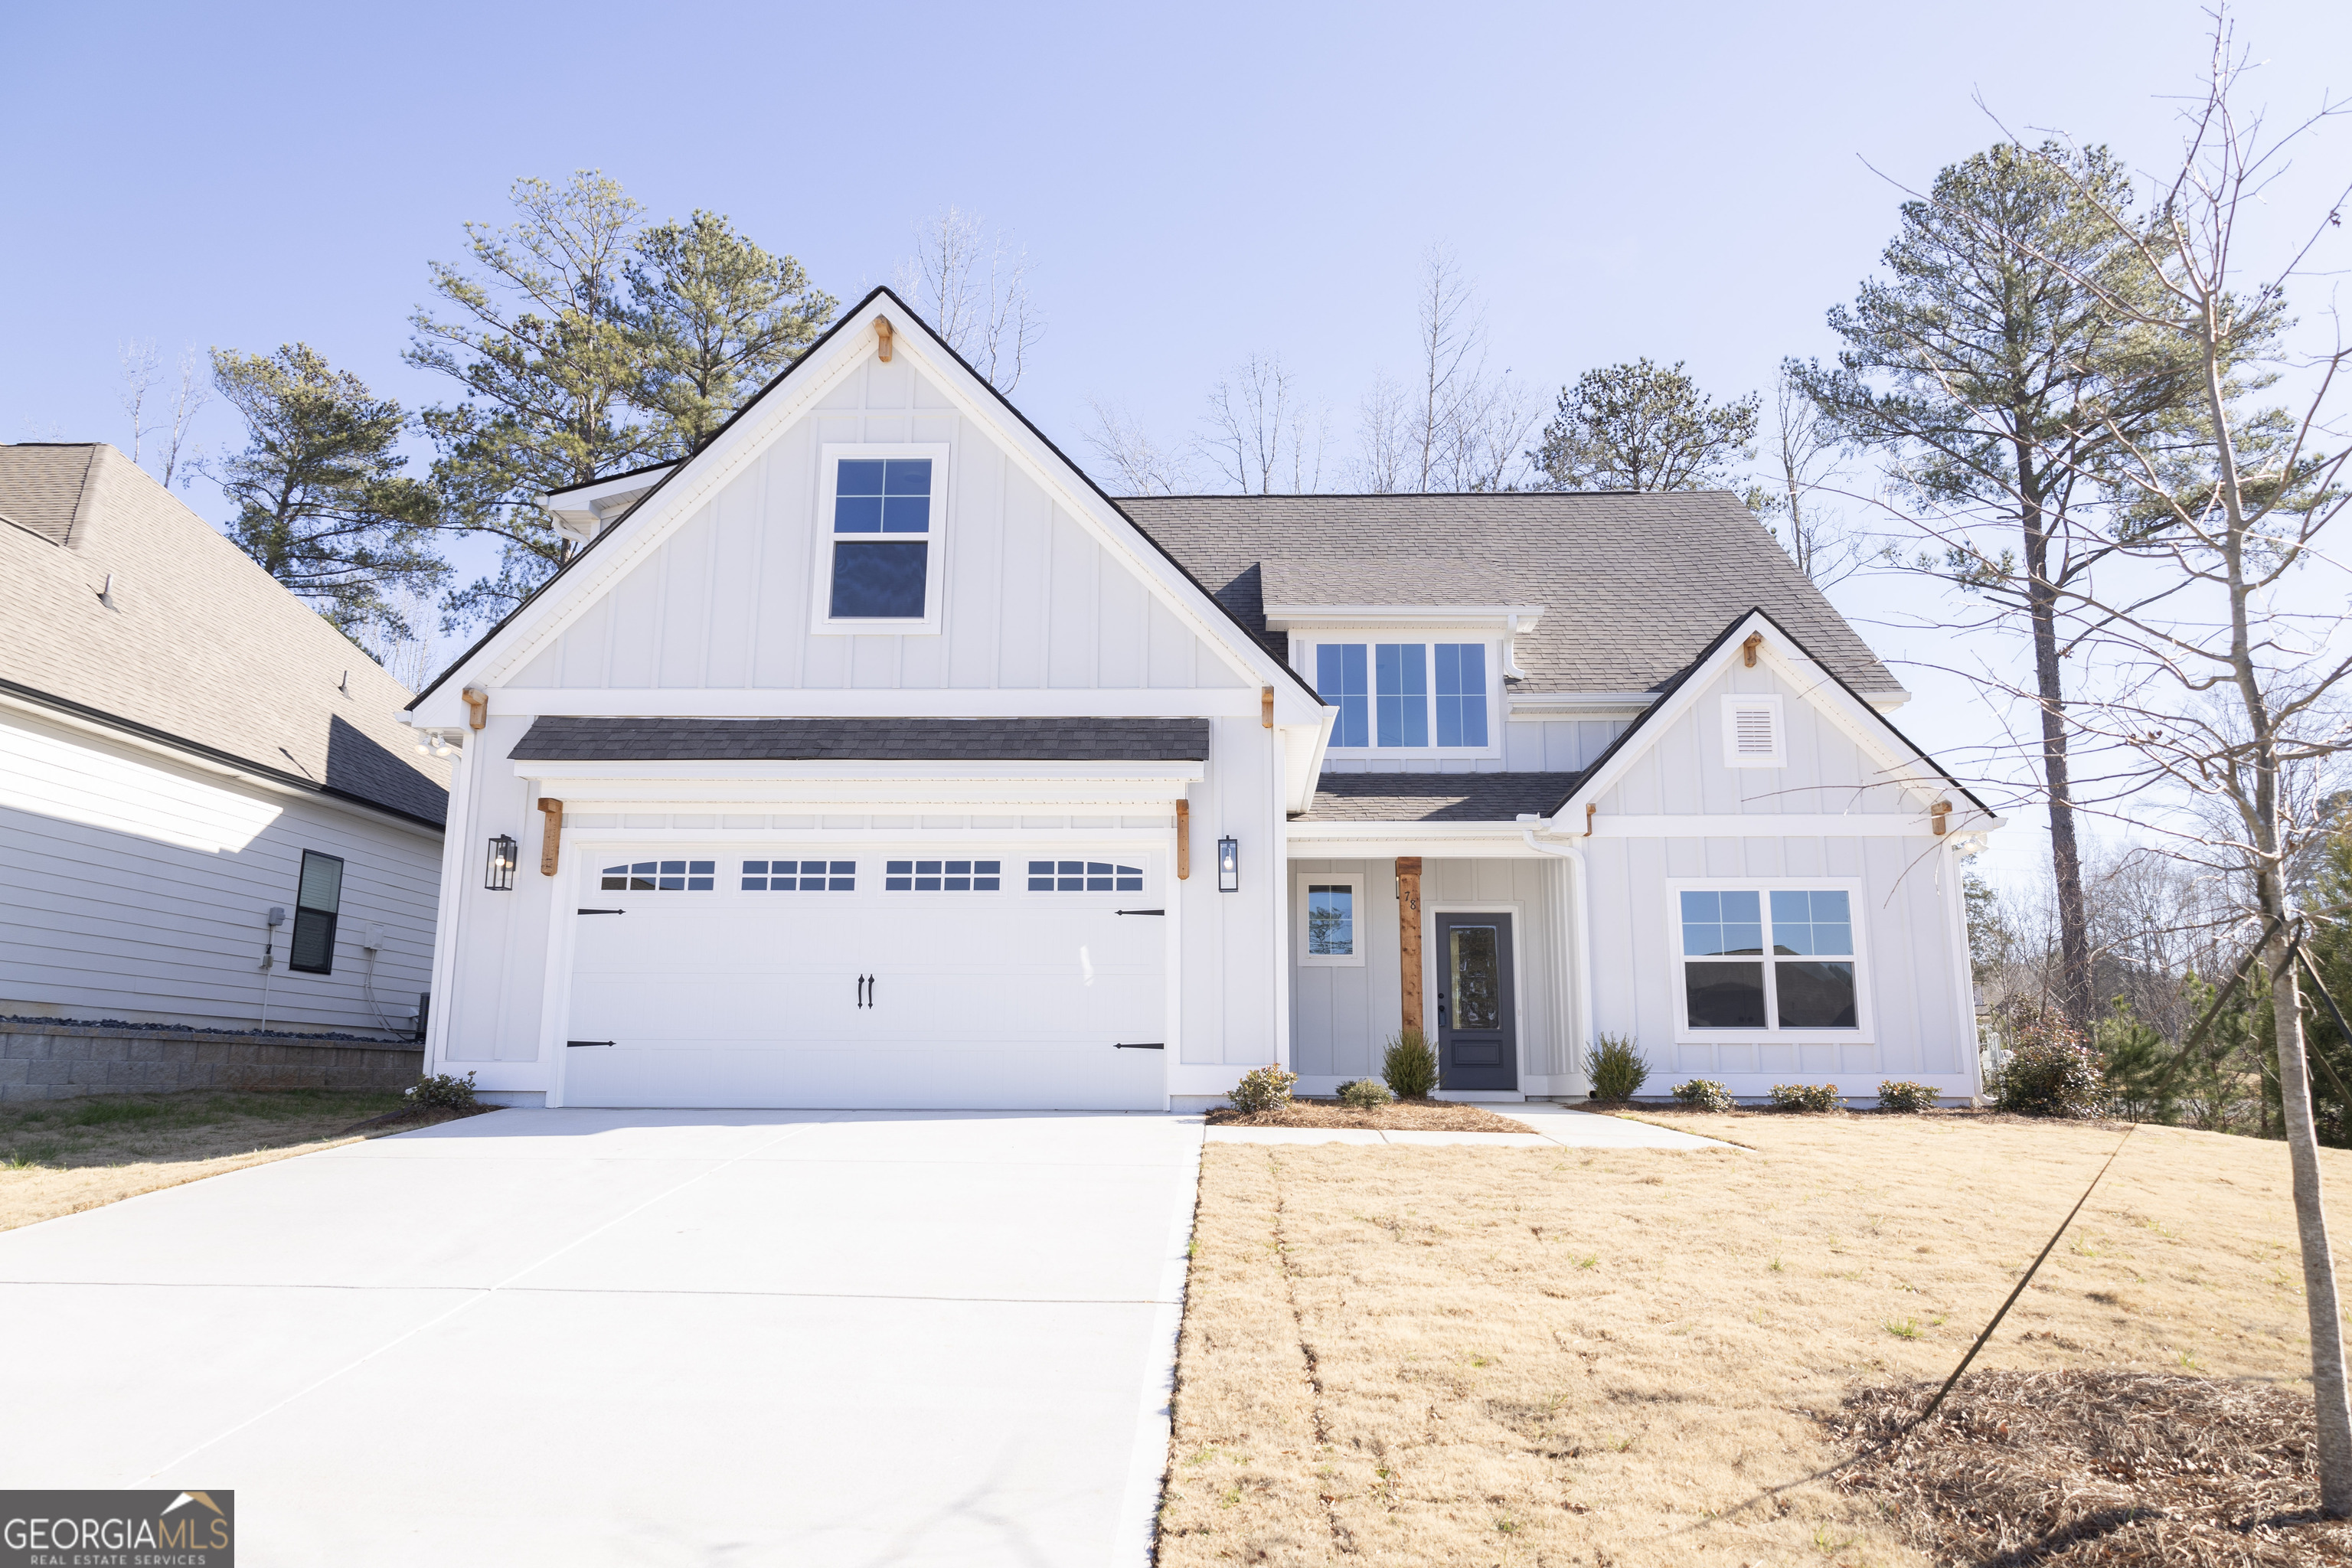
pixel 1906 919
pixel 1033 601
pixel 1344 1016
pixel 136 888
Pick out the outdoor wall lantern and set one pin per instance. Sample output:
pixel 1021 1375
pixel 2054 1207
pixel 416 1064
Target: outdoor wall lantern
pixel 1229 866
pixel 503 854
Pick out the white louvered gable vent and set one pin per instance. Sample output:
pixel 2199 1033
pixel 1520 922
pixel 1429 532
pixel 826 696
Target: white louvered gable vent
pixel 1752 736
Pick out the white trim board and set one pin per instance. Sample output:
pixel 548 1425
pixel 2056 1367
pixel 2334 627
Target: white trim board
pixel 893 702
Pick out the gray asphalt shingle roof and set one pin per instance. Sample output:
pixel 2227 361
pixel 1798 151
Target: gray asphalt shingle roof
pixel 193 642
pixel 1436 797
pixel 1633 587
pixel 1381 580
pixel 581 740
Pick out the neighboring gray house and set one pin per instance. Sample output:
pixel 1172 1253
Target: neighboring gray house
pixel 184 747
pixel 874 756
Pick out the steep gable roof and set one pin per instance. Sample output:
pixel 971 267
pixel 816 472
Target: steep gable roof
pixel 193 646
pixel 1629 584
pixel 1854 711
pixel 814 362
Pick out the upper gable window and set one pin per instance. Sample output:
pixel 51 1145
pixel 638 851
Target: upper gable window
pixel 1388 699
pixel 883 535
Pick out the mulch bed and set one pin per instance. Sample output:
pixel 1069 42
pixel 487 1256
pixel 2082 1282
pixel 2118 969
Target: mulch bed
pixel 1404 1116
pixel 2077 1468
pixel 408 1118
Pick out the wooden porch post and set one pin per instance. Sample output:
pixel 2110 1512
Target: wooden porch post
pixel 1408 875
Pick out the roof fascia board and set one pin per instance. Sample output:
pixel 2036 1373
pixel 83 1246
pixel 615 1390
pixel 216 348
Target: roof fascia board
pixel 787 769
pixel 880 702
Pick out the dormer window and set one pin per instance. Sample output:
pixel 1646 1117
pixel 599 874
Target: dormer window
pixel 1388 701
pixel 882 532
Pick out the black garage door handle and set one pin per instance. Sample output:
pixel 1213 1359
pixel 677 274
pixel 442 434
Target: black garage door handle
pixel 606 1043
pixel 1139 1046
pixel 1138 911
pixel 603 912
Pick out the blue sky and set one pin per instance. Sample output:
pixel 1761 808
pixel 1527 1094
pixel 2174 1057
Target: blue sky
pixel 1191 184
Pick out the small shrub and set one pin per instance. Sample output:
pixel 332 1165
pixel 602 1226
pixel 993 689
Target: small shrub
pixel 443 1091
pixel 1365 1094
pixel 2050 1071
pixel 1617 1070
pixel 1704 1094
pixel 1263 1088
pixel 1901 1094
pixel 1410 1066
pixel 1806 1097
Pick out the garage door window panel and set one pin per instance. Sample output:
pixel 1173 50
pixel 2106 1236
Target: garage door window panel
pixel 800 876
pixel 942 875
pixel 660 876
pixel 1084 877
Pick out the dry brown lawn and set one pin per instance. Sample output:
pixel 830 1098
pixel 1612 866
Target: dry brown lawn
pixel 59 1156
pixel 1500 1355
pixel 1401 1116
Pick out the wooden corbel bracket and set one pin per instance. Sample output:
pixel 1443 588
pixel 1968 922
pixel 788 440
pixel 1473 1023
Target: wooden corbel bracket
pixel 551 838
pixel 1748 649
pixel 882 332
pixel 477 707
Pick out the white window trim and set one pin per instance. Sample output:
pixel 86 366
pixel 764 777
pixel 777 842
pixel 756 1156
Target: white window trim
pixel 822 621
pixel 1354 882
pixel 1864 1031
pixel 1732 756
pixel 1303 660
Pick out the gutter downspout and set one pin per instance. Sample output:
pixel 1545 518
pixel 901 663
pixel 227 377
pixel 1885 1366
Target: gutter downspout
pixel 1580 942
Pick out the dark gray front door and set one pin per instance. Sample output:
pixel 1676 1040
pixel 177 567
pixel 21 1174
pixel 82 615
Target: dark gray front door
pixel 1477 1026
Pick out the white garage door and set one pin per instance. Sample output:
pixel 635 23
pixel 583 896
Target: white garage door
pixel 820 976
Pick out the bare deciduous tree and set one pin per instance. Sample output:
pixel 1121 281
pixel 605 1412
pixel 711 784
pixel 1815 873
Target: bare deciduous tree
pixel 187 399
pixel 1264 434
pixel 141 371
pixel 1799 500
pixel 1454 427
pixel 1141 466
pixel 975 286
pixel 2216 641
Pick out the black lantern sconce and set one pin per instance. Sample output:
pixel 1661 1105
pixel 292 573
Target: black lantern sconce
pixel 503 855
pixel 1229 866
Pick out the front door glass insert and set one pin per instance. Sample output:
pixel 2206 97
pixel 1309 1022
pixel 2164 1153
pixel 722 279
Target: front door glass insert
pixel 1473 954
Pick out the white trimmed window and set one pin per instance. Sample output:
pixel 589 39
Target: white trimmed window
pixel 1752 733
pixel 1760 960
pixel 1330 920
pixel 1408 697
pixel 882 527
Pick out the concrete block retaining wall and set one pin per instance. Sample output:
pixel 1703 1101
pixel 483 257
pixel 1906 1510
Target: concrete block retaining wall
pixel 59 1061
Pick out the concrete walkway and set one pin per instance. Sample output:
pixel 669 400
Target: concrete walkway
pixel 1550 1125
pixel 631 1337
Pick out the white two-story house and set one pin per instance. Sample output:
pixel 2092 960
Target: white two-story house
pixel 873 757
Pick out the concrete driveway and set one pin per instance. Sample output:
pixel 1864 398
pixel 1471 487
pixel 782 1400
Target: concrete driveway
pixel 631 1337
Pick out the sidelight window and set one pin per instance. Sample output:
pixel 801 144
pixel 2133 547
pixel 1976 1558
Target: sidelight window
pixel 1768 959
pixel 1330 931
